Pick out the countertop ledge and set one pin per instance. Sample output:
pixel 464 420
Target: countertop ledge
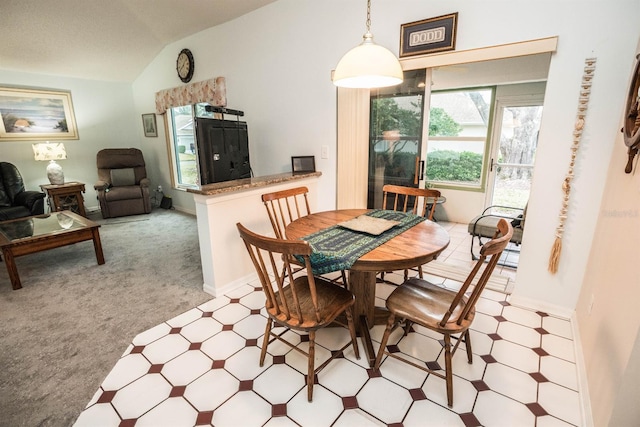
pixel 246 183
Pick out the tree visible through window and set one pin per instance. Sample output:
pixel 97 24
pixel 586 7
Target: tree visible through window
pixel 458 136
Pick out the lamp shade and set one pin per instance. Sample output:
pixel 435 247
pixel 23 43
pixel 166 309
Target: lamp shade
pixel 368 65
pixel 49 151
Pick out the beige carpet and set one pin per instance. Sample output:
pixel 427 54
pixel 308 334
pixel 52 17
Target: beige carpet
pixel 62 333
pixel 497 282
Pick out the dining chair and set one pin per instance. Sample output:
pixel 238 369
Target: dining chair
pixel 442 310
pixel 410 199
pixel 286 206
pixel 299 302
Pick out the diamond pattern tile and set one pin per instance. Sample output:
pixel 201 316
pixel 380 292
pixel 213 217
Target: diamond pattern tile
pixel 202 368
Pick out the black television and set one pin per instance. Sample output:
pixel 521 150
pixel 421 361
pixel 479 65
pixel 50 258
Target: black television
pixel 223 150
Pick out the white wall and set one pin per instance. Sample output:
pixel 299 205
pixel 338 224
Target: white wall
pixel 607 309
pixel 104 116
pixel 277 62
pixel 278 59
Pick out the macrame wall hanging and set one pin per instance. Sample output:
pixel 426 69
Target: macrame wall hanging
pixel 583 101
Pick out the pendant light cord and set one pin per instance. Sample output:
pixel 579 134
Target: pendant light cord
pixel 368 23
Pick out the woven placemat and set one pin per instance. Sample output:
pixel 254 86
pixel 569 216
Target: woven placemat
pixel 337 248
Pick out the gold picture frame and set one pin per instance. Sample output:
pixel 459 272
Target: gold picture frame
pixel 429 35
pixel 36 115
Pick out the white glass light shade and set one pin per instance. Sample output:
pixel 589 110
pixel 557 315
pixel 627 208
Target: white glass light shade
pixel 368 66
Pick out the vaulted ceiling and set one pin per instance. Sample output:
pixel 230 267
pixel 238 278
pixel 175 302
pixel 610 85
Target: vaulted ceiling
pixel 103 40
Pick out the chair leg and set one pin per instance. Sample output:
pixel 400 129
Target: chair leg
pixel 344 279
pixel 352 331
pixel 467 344
pixel 310 369
pixel 385 338
pixel 265 341
pixel 407 327
pixel 448 369
pixel 473 255
pixel 420 273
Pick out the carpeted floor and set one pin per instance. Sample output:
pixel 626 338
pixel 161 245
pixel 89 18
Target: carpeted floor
pixel 61 334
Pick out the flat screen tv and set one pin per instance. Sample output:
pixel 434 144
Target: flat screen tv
pixel 223 150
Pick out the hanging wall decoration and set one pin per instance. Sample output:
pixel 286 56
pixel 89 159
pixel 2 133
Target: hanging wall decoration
pixel 631 128
pixel 36 115
pixel 583 101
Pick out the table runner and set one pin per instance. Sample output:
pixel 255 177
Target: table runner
pixel 337 248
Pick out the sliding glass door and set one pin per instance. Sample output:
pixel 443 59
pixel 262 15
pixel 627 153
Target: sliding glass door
pixel 395 136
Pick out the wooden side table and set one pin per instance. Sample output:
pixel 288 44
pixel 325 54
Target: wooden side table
pixel 65 196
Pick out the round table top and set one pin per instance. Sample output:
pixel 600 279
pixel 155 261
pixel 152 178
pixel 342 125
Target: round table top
pixel 416 246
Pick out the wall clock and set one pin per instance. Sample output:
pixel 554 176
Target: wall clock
pixel 631 129
pixel 185 65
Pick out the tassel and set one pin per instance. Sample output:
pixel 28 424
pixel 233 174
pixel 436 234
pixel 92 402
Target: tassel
pixel 554 258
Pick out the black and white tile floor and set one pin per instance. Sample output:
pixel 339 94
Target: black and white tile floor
pixel 201 368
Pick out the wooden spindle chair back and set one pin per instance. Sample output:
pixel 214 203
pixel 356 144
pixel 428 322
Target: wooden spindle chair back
pixel 409 199
pixel 294 300
pixel 286 206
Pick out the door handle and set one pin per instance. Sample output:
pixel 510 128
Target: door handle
pixel 421 170
pixel 415 174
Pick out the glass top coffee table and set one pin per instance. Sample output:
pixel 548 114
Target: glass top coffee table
pixel 33 234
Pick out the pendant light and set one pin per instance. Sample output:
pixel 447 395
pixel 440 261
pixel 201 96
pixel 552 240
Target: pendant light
pixel 368 65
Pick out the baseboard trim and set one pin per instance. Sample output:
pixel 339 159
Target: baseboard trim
pixel 229 287
pixel 583 383
pixel 556 310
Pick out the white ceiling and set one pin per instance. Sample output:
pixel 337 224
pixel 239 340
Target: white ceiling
pixel 103 40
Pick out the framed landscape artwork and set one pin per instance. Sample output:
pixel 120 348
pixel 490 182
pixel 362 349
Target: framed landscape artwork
pixel 36 115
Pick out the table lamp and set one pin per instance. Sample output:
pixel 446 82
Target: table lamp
pixel 52 152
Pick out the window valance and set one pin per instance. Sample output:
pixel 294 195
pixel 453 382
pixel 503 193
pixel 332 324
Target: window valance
pixel 213 91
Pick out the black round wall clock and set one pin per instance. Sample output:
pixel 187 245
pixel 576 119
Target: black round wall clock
pixel 631 129
pixel 185 65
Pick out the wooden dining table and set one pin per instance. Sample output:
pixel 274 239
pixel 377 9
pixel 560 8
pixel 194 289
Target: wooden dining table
pixel 416 246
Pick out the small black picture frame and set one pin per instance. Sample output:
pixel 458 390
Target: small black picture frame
pixel 303 164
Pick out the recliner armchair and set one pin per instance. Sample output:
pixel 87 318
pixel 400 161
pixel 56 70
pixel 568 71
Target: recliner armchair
pixel 123 186
pixel 15 201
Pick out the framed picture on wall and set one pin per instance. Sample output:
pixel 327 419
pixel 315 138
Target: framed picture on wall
pixel 149 124
pixel 428 35
pixel 36 115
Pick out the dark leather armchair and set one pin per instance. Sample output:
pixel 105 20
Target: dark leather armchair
pixel 123 186
pixel 15 201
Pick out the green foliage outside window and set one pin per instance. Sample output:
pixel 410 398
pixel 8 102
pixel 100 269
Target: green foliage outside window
pixel 441 123
pixel 442 165
pixel 449 165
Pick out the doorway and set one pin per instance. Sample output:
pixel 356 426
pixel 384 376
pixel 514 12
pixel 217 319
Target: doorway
pixel 515 139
